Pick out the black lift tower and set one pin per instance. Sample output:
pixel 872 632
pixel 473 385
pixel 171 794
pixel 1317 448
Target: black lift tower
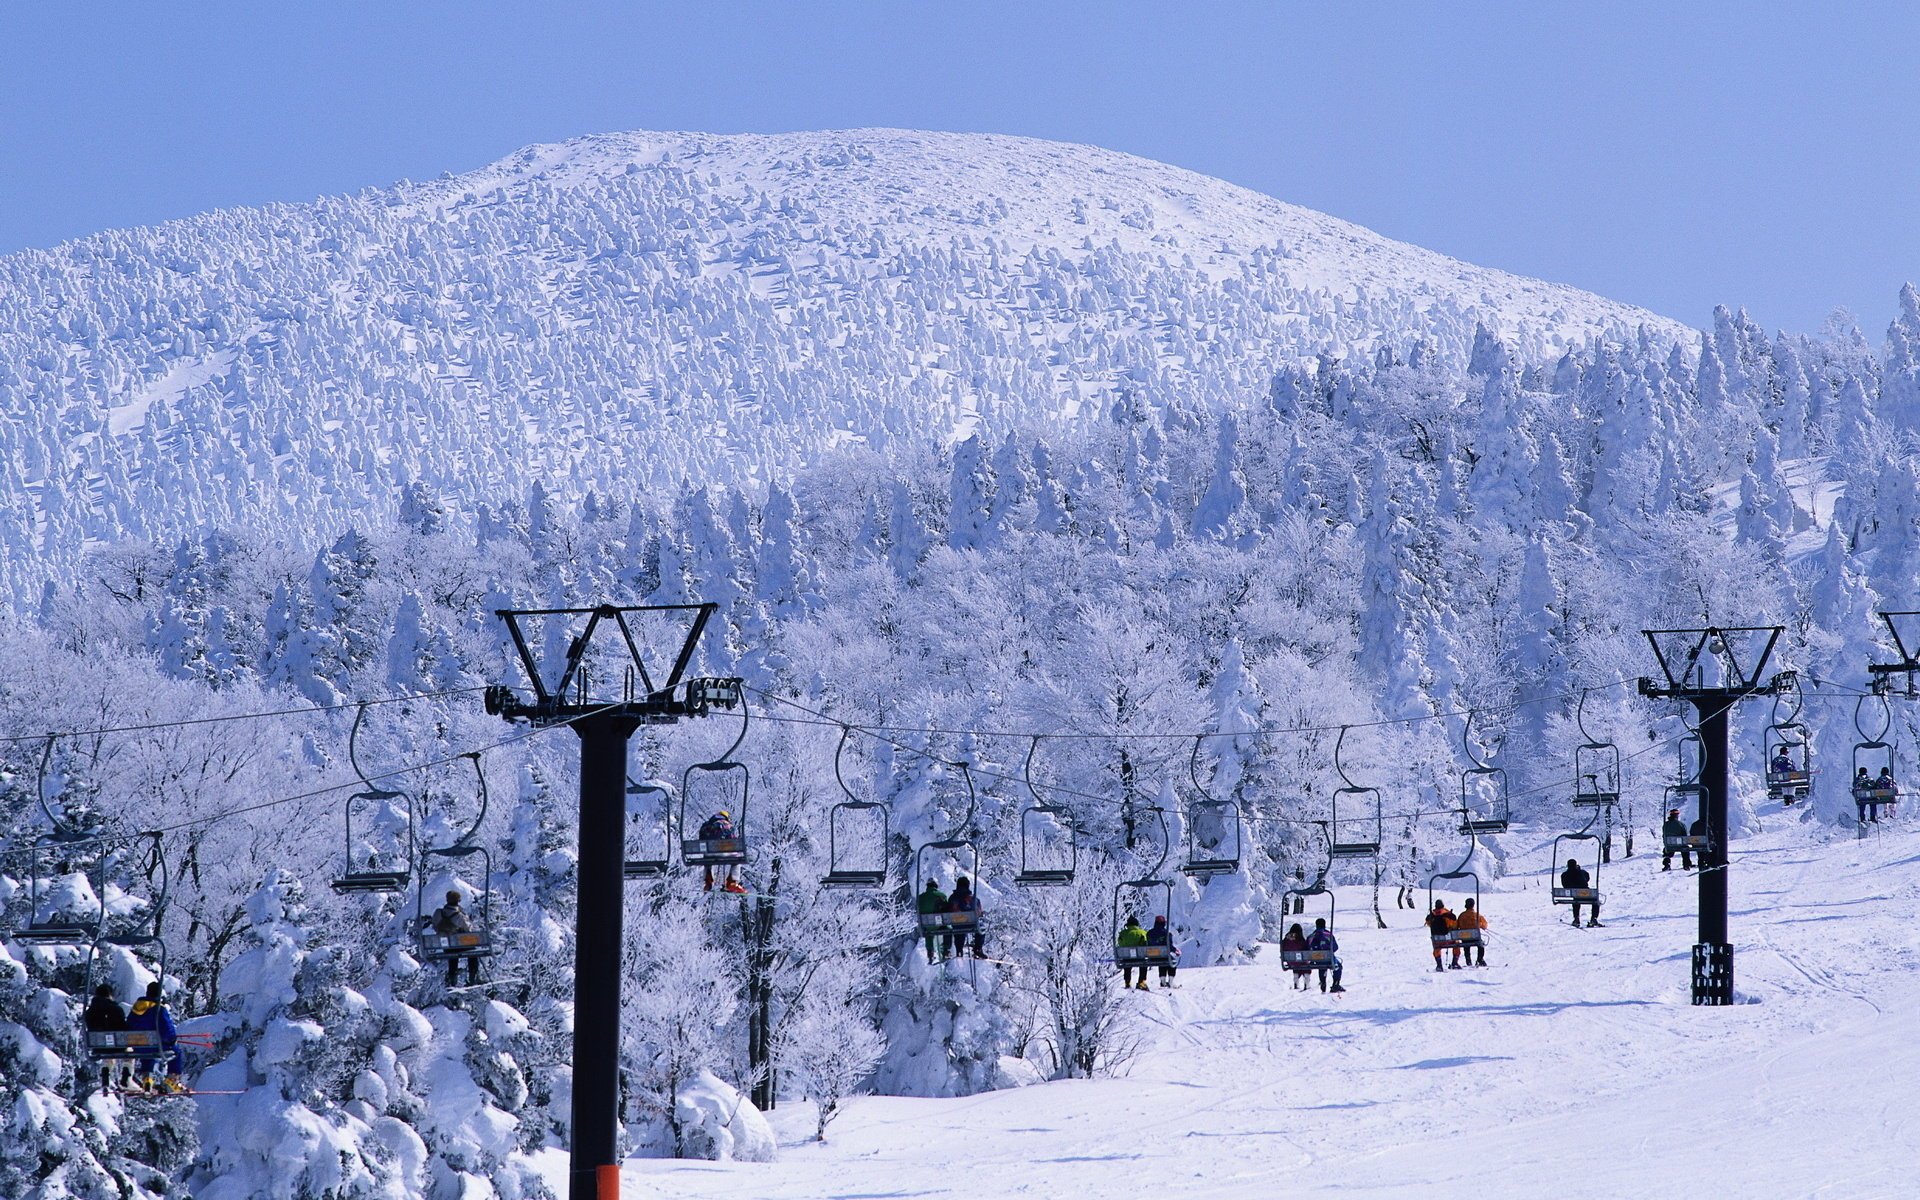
pixel 605 696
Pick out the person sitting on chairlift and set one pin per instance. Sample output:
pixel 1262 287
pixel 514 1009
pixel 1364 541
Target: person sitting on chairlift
pixel 1471 918
pixel 1130 936
pixel 448 920
pixel 1672 829
pixel 1575 876
pixel 1322 939
pixel 104 1015
pixel 932 900
pixel 1160 935
pixel 1440 923
pixel 1863 796
pixel 718 828
pixel 963 900
pixel 1782 765
pixel 150 1012
pixel 1296 942
pixel 1888 788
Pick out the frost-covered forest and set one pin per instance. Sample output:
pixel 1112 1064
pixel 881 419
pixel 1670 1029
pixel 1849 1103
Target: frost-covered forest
pixel 1403 512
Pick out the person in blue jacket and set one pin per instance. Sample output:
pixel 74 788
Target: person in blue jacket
pixel 150 1012
pixel 1322 939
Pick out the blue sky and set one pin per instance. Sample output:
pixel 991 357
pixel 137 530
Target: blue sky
pixel 1759 154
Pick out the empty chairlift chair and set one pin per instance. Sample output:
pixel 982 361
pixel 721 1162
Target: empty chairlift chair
pixel 1357 824
pixel 62 915
pixel 369 869
pixel 1485 805
pixel 1213 828
pixel 1049 851
pixel 857 835
pixel 649 837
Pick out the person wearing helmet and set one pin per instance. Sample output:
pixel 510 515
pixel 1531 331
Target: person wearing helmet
pixel 1131 935
pixel 716 828
pixel 449 919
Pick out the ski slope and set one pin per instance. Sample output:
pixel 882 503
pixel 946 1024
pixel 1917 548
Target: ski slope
pixel 1573 1064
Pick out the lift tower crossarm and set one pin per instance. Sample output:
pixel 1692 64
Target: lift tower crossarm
pixel 1701 667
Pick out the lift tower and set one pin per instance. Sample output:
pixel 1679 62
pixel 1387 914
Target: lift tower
pixel 1713 669
pixel 605 695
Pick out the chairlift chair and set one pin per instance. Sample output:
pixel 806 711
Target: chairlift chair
pixel 1352 837
pixel 1596 769
pixel 1293 901
pixel 647 857
pixel 1681 796
pixel 372 878
pixel 45 855
pixel 945 923
pixel 472 943
pixel 1220 856
pixel 1789 740
pixel 1867 756
pixel 1462 870
pixel 1142 956
pixel 1580 895
pixel 845 870
pixel 708 789
pixel 1493 818
pixel 1038 869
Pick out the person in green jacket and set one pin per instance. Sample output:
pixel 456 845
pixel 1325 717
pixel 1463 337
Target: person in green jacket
pixel 932 900
pixel 1132 935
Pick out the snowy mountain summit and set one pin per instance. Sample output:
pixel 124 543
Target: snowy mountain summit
pixel 634 310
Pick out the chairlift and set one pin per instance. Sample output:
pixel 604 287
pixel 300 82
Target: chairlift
pixel 648 804
pixel 1596 765
pixel 1488 785
pixel 712 790
pixel 52 853
pixel 1457 937
pixel 870 824
pixel 1293 903
pixel 1041 824
pixel 1685 796
pixel 1788 747
pixel 373 877
pixel 1873 787
pixel 1361 836
pixel 477 941
pixel 1578 895
pixel 956 845
pixel 1219 854
pixel 1145 955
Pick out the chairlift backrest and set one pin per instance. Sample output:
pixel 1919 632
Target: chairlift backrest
pixel 649 830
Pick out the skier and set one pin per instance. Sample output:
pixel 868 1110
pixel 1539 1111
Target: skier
pixel 1575 876
pixel 450 919
pixel 104 1015
pixel 1471 918
pixel 150 1012
pixel 963 900
pixel 720 828
pixel 1296 942
pixel 932 900
pixel 1440 925
pixel 1161 935
pixel 1131 935
pixel 1323 939
pixel 1674 828
pixel 1781 765
pixel 1888 789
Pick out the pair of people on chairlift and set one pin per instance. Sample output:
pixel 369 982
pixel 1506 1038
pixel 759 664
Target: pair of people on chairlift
pixel 1457 931
pixel 1870 792
pixel 1320 939
pixel 933 900
pixel 1132 934
pixel 150 1012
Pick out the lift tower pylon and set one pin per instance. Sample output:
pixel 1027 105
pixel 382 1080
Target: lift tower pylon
pixel 1713 669
pixel 605 712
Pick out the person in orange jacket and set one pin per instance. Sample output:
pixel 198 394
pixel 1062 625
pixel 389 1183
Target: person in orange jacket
pixel 1440 925
pixel 1472 918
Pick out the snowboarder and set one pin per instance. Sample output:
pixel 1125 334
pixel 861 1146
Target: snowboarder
pixel 104 1015
pixel 1322 939
pixel 1575 876
pixel 1440 925
pixel 1674 832
pixel 1131 935
pixel 1296 942
pixel 1472 918
pixel 150 1012
pixel 1161 935
pixel 450 919
pixel 963 901
pixel 932 901
pixel 720 828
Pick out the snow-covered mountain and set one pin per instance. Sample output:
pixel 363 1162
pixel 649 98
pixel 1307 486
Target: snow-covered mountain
pixel 623 313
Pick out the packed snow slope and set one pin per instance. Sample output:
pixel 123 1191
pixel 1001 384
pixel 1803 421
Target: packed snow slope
pixel 1572 1064
pixel 623 313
